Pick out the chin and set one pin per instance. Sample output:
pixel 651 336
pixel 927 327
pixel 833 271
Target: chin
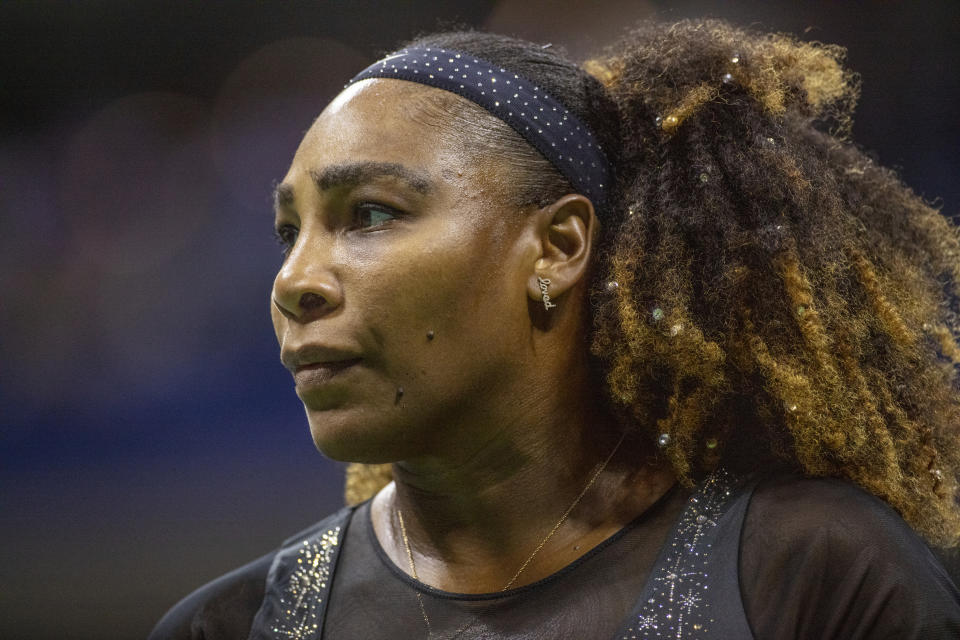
pixel 346 438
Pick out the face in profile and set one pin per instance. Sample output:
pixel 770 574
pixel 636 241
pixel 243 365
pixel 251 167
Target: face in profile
pixel 401 305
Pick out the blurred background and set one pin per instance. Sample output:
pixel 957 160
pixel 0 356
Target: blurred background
pixel 149 438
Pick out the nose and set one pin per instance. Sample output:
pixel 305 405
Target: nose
pixel 305 290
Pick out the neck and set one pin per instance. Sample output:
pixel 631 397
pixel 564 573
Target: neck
pixel 474 517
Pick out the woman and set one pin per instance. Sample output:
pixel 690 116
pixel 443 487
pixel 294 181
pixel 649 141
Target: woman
pixel 634 350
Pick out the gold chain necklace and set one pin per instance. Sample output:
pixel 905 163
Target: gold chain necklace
pixel 563 518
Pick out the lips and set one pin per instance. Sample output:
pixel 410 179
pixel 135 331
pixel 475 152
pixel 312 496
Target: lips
pixel 317 364
pixel 318 373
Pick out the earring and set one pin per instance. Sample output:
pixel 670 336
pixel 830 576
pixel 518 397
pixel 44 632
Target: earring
pixel 544 283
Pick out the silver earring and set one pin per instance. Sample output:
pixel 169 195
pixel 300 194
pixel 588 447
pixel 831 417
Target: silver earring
pixel 544 283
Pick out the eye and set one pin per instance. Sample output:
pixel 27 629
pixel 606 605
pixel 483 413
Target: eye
pixel 370 214
pixel 286 235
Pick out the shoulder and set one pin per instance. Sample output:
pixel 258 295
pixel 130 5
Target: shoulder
pixel 836 561
pixel 226 607
pixel 796 511
pixel 223 608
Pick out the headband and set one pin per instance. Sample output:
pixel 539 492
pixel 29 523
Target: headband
pixel 545 123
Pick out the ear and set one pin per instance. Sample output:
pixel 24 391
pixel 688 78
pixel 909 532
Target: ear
pixel 565 232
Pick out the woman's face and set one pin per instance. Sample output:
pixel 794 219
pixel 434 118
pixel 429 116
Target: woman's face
pixel 401 307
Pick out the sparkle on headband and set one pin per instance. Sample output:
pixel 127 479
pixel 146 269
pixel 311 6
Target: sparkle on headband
pixel 545 123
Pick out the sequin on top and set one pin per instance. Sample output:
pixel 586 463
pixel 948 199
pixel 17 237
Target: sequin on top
pixel 676 602
pixel 298 584
pixel 300 612
pixel 551 128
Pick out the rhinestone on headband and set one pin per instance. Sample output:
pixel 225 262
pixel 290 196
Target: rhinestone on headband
pixel 552 129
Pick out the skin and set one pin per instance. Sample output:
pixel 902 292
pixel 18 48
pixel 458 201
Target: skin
pixel 498 426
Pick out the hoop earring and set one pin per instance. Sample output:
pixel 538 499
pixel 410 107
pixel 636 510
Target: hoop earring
pixel 544 283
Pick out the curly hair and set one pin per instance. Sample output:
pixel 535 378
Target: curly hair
pixel 782 300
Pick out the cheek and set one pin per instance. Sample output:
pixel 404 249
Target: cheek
pixel 463 297
pixel 431 295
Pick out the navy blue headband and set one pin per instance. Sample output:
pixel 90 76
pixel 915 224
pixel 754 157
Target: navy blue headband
pixel 542 121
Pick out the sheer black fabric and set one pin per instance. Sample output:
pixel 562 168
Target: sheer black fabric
pixel 822 559
pixel 588 599
pixel 220 610
pixel 818 559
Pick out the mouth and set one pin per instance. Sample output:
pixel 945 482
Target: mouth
pixel 320 373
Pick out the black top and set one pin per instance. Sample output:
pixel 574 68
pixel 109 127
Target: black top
pixel 814 559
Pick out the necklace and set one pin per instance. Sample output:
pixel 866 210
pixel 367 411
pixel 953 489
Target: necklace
pixel 563 518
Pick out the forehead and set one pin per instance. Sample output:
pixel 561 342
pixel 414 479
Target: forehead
pixel 376 121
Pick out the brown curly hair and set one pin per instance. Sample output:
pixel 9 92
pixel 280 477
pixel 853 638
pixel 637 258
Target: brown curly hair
pixel 782 299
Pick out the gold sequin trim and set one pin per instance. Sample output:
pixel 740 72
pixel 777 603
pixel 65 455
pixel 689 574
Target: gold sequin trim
pixel 300 604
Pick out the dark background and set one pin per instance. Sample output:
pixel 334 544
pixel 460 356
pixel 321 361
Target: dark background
pixel 150 439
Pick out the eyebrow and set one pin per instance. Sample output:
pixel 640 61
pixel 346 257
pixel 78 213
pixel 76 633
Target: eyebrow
pixel 348 175
pixel 352 174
